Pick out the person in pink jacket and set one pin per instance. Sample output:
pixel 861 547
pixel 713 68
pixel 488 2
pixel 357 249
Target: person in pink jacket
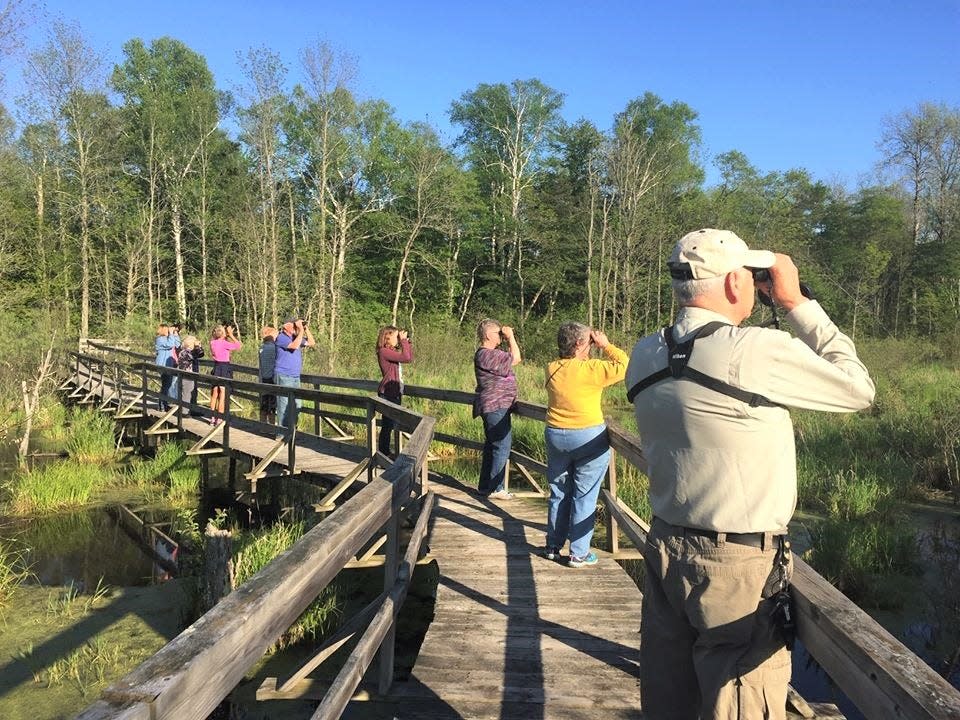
pixel 222 343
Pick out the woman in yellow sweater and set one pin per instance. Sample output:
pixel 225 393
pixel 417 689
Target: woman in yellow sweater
pixel 577 448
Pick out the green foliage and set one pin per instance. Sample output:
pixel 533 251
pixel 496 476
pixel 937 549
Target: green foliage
pixel 184 481
pixel 57 486
pixel 89 667
pixel 14 571
pixel 71 600
pixel 90 437
pixel 865 558
pixel 254 550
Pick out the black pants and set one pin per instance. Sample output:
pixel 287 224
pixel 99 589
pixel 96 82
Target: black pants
pixel 386 426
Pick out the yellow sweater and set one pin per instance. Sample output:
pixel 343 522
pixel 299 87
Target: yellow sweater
pixel 574 388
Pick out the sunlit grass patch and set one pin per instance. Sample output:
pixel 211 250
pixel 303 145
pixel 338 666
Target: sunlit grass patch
pixel 89 667
pixel 90 437
pixel 184 480
pixel 56 487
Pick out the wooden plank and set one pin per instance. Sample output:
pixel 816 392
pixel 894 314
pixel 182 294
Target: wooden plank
pixel 874 669
pixel 193 672
pixel 306 689
pixel 352 672
pixel 105 710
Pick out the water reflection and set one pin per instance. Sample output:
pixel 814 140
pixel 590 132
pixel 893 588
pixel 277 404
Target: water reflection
pixel 80 548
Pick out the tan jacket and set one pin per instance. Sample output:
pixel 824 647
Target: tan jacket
pixel 715 462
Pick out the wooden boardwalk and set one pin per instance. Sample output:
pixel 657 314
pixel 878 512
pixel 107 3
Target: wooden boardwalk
pixel 516 635
pixel 315 455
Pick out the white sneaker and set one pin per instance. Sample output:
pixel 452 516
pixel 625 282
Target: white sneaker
pixel 500 495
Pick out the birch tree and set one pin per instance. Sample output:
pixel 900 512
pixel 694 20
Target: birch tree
pixel 169 94
pixel 65 76
pixel 505 131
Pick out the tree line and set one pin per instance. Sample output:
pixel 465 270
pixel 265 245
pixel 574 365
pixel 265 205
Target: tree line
pixel 124 197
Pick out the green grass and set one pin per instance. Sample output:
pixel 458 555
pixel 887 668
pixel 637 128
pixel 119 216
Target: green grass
pixel 88 667
pixel 90 437
pixel 13 572
pixel 170 476
pixel 54 487
pixel 254 550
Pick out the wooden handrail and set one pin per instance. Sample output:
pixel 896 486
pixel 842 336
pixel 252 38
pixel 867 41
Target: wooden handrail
pixel 189 676
pixel 882 676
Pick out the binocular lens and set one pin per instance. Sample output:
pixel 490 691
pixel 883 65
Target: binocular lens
pixel 760 275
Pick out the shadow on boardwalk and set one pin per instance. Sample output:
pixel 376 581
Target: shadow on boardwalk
pixel 516 635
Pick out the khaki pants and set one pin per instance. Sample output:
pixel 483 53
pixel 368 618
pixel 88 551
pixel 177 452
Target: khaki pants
pixel 708 647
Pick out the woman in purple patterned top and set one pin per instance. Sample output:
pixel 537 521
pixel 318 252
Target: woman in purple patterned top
pixel 496 393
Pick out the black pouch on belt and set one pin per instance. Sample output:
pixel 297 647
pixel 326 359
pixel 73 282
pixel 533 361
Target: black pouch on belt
pixel 784 617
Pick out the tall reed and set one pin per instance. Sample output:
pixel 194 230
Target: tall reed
pixel 90 437
pixel 57 486
pixel 13 572
pixel 255 549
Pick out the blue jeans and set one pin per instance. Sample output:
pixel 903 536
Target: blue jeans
pixel 283 400
pixel 576 462
pixel 498 437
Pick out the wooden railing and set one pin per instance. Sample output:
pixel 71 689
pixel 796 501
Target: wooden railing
pixel 882 677
pixel 877 672
pixel 190 676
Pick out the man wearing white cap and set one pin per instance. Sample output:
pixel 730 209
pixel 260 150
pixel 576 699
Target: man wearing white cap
pixel 711 402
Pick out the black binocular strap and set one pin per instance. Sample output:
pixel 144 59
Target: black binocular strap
pixel 678 355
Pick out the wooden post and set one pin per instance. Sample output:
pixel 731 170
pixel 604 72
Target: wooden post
pixel 371 435
pixel 204 474
pixel 291 421
pixel 226 415
pixel 424 478
pixel 317 425
pixel 218 577
pixel 613 538
pixel 180 404
pixel 143 405
pixel 390 571
pixel 232 472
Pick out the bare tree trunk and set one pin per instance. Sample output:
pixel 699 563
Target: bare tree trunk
pixel 404 259
pixel 31 401
pixel 294 264
pixel 176 224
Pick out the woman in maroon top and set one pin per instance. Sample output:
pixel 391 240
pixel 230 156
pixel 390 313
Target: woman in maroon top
pixel 393 348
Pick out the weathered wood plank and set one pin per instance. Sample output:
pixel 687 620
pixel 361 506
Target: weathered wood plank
pixel 192 673
pixel 874 669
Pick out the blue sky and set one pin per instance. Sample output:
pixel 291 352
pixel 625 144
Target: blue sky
pixel 801 84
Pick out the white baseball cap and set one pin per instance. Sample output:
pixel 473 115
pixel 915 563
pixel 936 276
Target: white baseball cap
pixel 711 253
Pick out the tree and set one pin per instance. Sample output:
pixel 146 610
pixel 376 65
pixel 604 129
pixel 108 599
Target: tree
pixel 922 147
pixel 171 102
pixel 65 77
pixel 650 157
pixel 324 107
pixel 421 199
pixel 505 130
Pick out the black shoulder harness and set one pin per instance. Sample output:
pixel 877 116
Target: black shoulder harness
pixel 678 355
